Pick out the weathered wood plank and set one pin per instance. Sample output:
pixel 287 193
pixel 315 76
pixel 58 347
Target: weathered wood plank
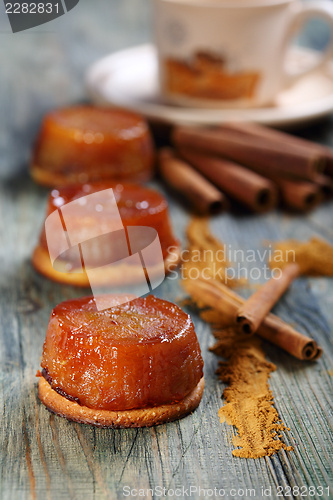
pixel 43 456
pixel 195 451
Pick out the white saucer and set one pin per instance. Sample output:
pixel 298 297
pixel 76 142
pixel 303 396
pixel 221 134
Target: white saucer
pixel 129 79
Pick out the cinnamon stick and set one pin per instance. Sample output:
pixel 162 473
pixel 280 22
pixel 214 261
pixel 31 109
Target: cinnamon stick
pixel 275 137
pixel 282 138
pixel 329 161
pixel 254 191
pixel 251 314
pixel 255 151
pixel 325 184
pixel 272 329
pixel 299 195
pixel 327 153
pixel 202 195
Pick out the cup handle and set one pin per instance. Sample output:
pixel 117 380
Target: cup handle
pixel 317 8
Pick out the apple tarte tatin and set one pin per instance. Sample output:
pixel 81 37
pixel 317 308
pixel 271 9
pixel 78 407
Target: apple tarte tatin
pixel 133 365
pixel 134 207
pixel 86 143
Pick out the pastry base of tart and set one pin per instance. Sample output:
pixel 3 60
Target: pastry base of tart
pixel 119 275
pixel 145 417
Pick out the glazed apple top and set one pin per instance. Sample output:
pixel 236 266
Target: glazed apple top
pixel 134 201
pixel 137 205
pixel 143 353
pixel 95 121
pixel 84 143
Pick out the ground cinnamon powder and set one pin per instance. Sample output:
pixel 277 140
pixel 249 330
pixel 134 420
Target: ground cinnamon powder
pixel 315 257
pixel 206 255
pixel 249 401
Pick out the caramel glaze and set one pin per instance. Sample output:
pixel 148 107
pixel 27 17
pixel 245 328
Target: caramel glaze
pixel 88 143
pixel 137 205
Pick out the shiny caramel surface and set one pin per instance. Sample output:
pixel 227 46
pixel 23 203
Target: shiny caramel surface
pixel 133 201
pixel 137 205
pixel 88 143
pixel 98 120
pixel 140 354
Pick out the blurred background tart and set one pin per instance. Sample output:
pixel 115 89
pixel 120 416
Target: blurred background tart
pixel 87 143
pixel 137 206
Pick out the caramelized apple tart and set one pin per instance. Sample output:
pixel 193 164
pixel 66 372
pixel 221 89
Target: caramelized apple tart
pixel 90 210
pixel 81 144
pixel 131 365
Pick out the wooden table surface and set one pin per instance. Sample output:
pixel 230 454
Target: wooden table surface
pixel 47 457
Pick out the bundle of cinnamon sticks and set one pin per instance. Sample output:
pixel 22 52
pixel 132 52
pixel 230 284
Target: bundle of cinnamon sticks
pixel 252 164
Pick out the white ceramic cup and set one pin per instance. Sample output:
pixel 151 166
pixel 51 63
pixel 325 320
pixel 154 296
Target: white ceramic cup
pixel 231 53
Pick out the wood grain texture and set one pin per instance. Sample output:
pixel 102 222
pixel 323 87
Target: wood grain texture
pixel 46 457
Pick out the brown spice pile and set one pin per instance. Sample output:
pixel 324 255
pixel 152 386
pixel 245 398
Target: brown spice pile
pixel 206 255
pixel 249 402
pixel 315 257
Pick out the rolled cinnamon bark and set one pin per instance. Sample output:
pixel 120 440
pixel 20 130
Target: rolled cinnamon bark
pixel 256 192
pixel 327 153
pixel 277 139
pixel 329 162
pixel 296 194
pixel 272 329
pixel 325 184
pixel 256 152
pixel 318 354
pixel 283 335
pixel 299 195
pixel 281 139
pixel 252 313
pixel 213 294
pixel 202 195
